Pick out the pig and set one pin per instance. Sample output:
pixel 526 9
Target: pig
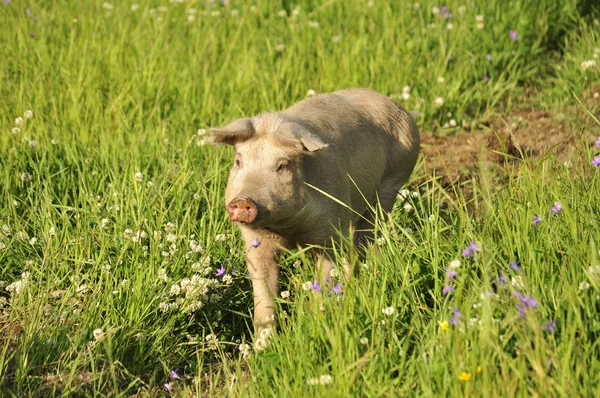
pixel 354 145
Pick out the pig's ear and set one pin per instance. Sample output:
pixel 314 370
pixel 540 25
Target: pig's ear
pixel 311 142
pixel 234 132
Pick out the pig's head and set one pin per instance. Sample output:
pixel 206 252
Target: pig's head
pixel 266 184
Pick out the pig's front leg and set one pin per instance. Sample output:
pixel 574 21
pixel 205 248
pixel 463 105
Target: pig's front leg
pixel 262 256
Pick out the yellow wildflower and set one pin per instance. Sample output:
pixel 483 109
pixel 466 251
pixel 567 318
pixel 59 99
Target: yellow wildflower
pixel 464 376
pixel 444 325
pixel 479 369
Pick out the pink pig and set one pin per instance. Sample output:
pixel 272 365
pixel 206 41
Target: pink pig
pixel 356 145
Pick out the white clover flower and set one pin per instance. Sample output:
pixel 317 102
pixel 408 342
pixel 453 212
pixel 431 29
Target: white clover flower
pixel 479 18
pixel 227 279
pixel 221 238
pixel 2 246
pixel 334 273
pixel 480 25
pixel 589 64
pixel 235 12
pixel 98 334
pixel 282 13
pixel 279 47
pixel 33 241
pixel 139 176
pixel 296 11
pixel 364 340
pixel 594 271
pixel 306 286
pixel 29 114
pixel 169 227
pixel 336 38
pixel 260 344
pixel 408 207
pixel 416 5
pixel 406 89
pixel 171 238
pixel 517 282
pixel 452 123
pixel 135 7
pixel 438 101
pixel 285 294
pixel 127 233
pixel 108 6
pixel 403 194
pixel 244 350
pixel 325 379
pixel 415 194
pixel 462 10
pixel 313 24
pixel 584 286
pixel 381 241
pixel 441 79
pixel 405 96
pixel 25 177
pixel 454 264
pixel 19 121
pixel 81 289
pixel 175 290
pixel 389 311
pixel 16 130
pixel 449 26
pixel 431 218
pixel 435 10
pixel 313 381
pixel 32 143
pixel 310 93
pixel 104 223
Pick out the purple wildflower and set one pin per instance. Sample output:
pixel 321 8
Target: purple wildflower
pixel 596 161
pixel 443 10
pixel 6 1
pixel 255 243
pixel 557 208
pixel 489 57
pixel 174 375
pixel 527 302
pixel 597 143
pixel 513 35
pixel 447 289
pixel 450 272
pixel 317 286
pixel 35 18
pixel 453 321
pixel 337 288
pixel 220 271
pixel 32 34
pixel 515 265
pixel 551 326
pixel 502 278
pixel 536 220
pixel 450 58
pixel 472 248
pixel 169 387
pixel 28 11
pixel 486 78
pixel 456 313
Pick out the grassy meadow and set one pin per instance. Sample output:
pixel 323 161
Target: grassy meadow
pixel 120 274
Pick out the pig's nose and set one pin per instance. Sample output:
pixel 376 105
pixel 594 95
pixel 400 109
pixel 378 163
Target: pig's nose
pixel 243 210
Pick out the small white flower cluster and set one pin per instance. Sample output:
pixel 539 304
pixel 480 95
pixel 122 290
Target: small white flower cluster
pixel 212 343
pixel 321 380
pixel 191 294
pixel 388 311
pixel 136 237
pixel 17 287
pixel 19 122
pixel 98 334
pixel 244 350
pixel 588 64
pixel 263 339
pixel 479 19
pixel 402 197
pixel 438 102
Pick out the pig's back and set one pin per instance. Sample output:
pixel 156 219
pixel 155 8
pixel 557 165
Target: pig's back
pixel 370 138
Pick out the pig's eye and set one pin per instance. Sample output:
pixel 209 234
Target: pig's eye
pixel 237 162
pixel 282 165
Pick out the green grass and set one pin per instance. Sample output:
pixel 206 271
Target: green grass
pixel 120 92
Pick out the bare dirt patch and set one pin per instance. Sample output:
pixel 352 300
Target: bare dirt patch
pixel 521 136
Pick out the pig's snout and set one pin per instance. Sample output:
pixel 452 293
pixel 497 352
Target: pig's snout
pixel 243 210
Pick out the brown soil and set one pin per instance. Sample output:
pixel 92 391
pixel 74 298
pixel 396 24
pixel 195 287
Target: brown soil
pixel 524 136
